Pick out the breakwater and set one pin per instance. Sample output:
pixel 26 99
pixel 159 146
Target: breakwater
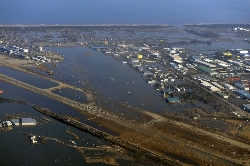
pixel 132 150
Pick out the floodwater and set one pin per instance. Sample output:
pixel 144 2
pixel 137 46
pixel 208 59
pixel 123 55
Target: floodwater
pixel 13 143
pixel 27 78
pixel 71 94
pixel 107 78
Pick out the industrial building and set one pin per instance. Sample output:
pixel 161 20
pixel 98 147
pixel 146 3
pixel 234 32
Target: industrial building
pixel 207 70
pixel 222 95
pixel 20 121
pixel 195 58
pixel 7 123
pixel 206 64
pixel 147 72
pixel 209 86
pixel 28 122
pixel 243 94
pixel 246 107
pixel 16 122
pixel 240 86
pixel 172 99
pixel 175 57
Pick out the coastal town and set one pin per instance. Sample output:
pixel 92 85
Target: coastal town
pixel 200 71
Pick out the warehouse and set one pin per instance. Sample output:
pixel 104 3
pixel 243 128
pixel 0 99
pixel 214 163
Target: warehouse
pixel 16 122
pixel 243 94
pixel 28 122
pixel 240 86
pixel 222 95
pixel 207 70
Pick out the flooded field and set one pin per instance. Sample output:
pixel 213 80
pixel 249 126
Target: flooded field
pixel 30 79
pixel 108 78
pixel 14 142
pixel 71 94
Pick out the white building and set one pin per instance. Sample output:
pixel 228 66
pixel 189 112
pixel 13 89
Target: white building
pixel 25 50
pixel 28 122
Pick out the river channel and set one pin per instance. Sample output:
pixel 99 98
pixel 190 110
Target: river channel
pixel 108 78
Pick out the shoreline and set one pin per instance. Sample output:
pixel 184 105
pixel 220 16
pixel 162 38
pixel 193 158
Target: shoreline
pixel 116 25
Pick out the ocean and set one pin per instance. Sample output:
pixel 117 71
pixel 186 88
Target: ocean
pixel 170 12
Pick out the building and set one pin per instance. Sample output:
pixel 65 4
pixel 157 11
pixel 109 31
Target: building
pixel 227 54
pixel 16 122
pixel 222 95
pixel 147 72
pixel 228 86
pixel 28 122
pixel 241 51
pixel 195 58
pixel 175 57
pixel 206 64
pixel 132 59
pixel 167 92
pixel 7 123
pixel 240 86
pixel 139 68
pixel 98 48
pixel 243 94
pixel 153 54
pixel 25 50
pixel 207 70
pixel 139 56
pixel 172 99
pixel 246 107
